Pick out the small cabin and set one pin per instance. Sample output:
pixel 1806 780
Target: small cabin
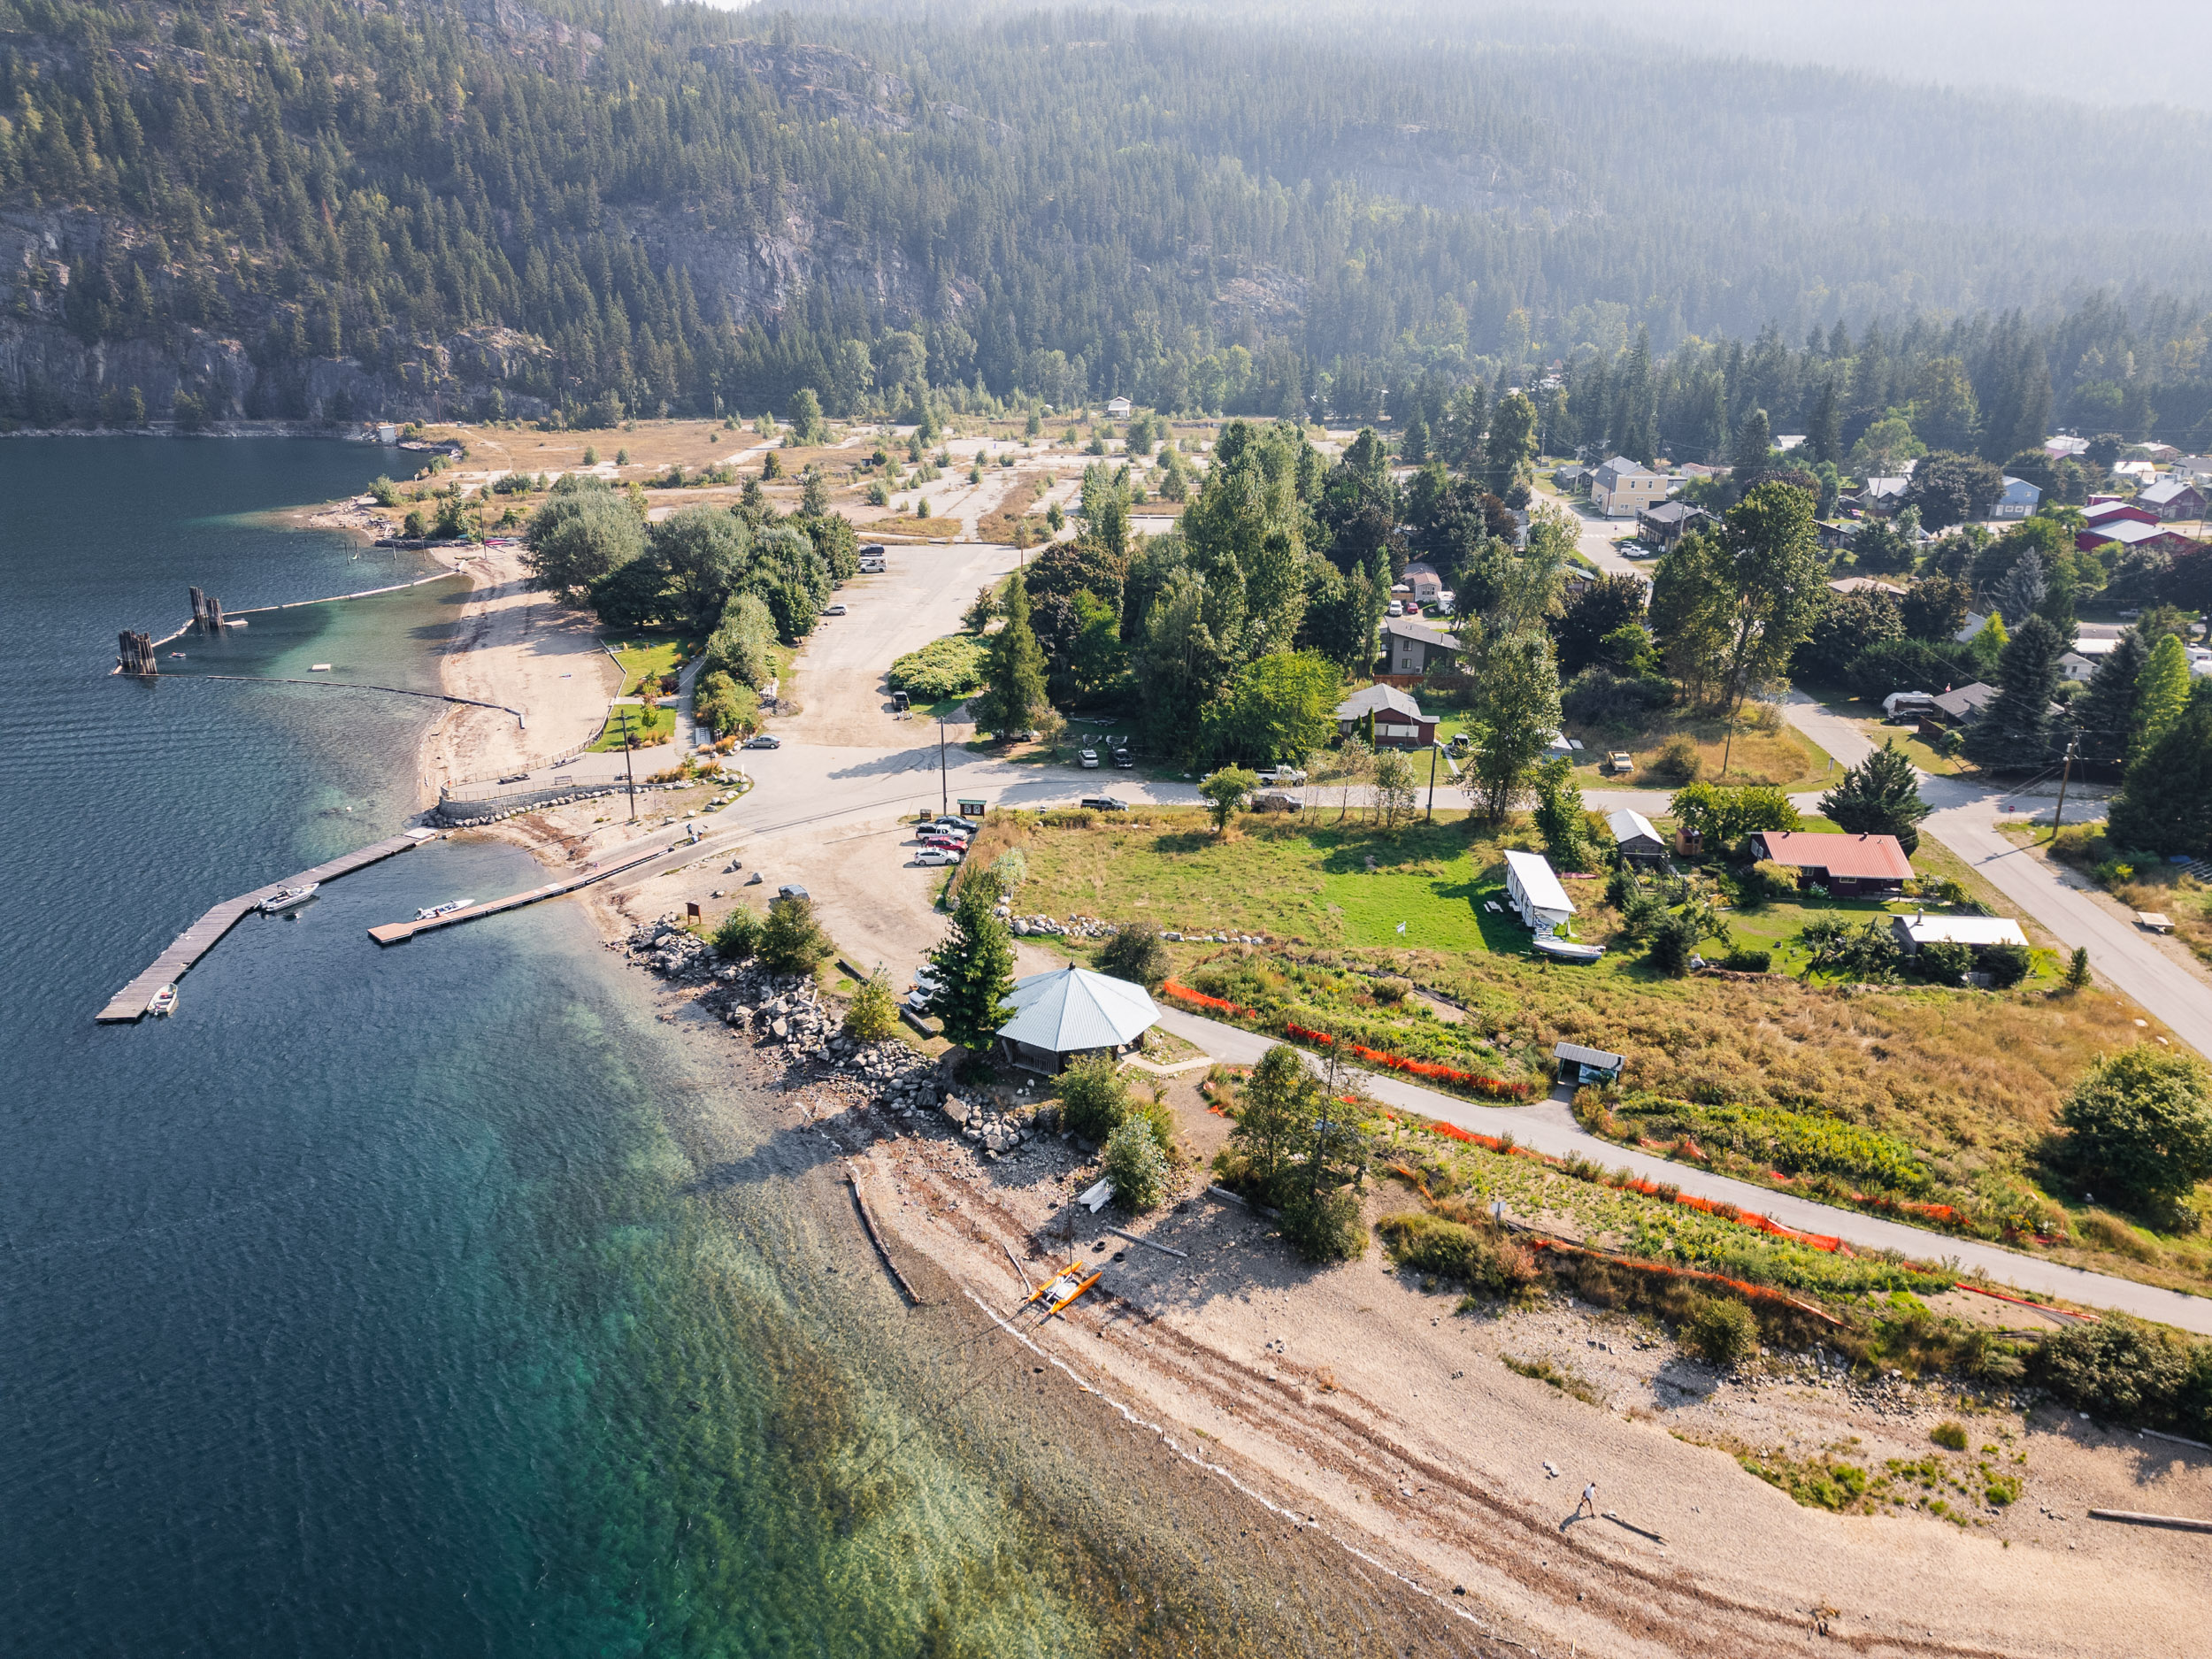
pixel 1578 1065
pixel 1635 837
pixel 1538 898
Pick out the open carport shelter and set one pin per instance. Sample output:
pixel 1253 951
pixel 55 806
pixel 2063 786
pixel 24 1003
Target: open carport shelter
pixel 1578 1065
pixel 1071 1012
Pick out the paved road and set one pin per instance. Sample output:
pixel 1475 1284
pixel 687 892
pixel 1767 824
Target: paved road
pixel 1964 818
pixel 1549 1127
pixel 1594 538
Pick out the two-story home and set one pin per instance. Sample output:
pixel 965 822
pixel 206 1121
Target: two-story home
pixel 2172 498
pixel 1668 522
pixel 2016 500
pixel 1620 488
pixel 1414 645
pixel 1426 583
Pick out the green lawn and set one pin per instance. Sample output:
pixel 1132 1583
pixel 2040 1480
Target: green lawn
pixel 648 725
pixel 1439 912
pixel 645 658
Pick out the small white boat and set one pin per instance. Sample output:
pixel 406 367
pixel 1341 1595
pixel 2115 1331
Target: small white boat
pixel 164 1002
pixel 436 911
pixel 1568 950
pixel 289 898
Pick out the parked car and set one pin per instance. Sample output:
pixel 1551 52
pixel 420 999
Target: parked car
pixel 792 890
pixel 947 843
pixel 1276 801
pixel 763 739
pixel 918 1001
pixel 953 821
pixel 1103 804
pixel 936 855
pixel 1397 608
pixel 1087 757
pixel 837 610
pixel 1124 758
pixel 1619 762
pixel 875 550
pixel 1282 775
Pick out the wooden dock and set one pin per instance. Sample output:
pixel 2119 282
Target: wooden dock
pixel 128 1005
pixel 398 933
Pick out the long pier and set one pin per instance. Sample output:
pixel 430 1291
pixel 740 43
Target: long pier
pixel 128 1005
pixel 399 933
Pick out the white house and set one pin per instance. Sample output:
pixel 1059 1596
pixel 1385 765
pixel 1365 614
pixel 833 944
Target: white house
pixel 1119 408
pixel 1977 933
pixel 1537 897
pixel 2016 500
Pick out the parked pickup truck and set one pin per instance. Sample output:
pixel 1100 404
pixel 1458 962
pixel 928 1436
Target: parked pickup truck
pixel 1281 775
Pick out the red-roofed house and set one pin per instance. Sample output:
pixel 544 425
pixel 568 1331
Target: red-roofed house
pixel 1849 866
pixel 2117 511
pixel 2129 532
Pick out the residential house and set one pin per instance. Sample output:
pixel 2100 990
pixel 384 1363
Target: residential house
pixel 1667 522
pixel 2196 468
pixel 1978 934
pixel 2129 532
pixel 1414 646
pixel 2016 500
pixel 1398 721
pixel 1865 584
pixel 1071 1012
pixel 2172 498
pixel 2143 472
pixel 1633 836
pixel 1619 487
pixel 2064 445
pixel 1787 441
pixel 1426 583
pixel 1119 408
pixel 1534 891
pixel 1848 866
pixel 1963 706
pixel 1571 479
pixel 1880 494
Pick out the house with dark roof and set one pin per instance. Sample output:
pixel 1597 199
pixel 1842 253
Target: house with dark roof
pixel 1426 581
pixel 1965 705
pixel 1413 647
pixel 1668 522
pixel 1398 721
pixel 1849 866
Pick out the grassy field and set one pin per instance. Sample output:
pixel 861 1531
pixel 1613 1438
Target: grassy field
pixel 648 726
pixel 646 659
pixel 1971 1080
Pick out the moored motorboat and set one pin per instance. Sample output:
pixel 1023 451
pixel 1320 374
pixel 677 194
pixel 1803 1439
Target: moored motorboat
pixel 162 1002
pixel 289 898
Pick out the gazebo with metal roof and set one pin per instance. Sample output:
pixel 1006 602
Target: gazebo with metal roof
pixel 1071 1012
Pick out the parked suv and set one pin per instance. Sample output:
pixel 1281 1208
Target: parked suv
pixel 1103 804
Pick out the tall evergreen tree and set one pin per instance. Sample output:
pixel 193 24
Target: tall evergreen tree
pixel 2106 710
pixel 2165 804
pixel 1879 796
pixel 1824 442
pixel 2164 693
pixel 1754 442
pixel 1014 699
pixel 2014 732
pixel 974 970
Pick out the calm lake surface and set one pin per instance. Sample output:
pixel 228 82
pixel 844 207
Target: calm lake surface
pixel 442 1301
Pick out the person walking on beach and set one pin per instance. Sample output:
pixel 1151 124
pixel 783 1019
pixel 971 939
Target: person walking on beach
pixel 1589 1502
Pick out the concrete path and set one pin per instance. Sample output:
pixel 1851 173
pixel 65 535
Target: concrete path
pixel 1548 1126
pixel 1964 818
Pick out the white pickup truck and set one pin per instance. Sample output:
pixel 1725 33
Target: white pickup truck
pixel 1280 775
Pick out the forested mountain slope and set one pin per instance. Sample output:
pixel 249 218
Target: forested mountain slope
pixel 316 210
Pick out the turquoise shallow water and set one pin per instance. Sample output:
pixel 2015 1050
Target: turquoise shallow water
pixel 440 1301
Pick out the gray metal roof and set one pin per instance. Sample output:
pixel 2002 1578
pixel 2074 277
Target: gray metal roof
pixel 1073 1009
pixel 1581 1056
pixel 1628 825
pixel 1377 700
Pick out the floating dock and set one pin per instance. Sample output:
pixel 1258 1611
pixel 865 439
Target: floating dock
pixel 128 1005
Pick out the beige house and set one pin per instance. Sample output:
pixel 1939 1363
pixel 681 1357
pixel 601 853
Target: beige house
pixel 1621 489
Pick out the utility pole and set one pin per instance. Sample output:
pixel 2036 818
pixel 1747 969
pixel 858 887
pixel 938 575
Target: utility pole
pixel 629 759
pixel 2058 815
pixel 944 797
pixel 1433 752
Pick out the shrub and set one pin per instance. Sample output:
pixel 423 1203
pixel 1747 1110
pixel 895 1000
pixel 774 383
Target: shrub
pixel 2128 1373
pixel 1721 1330
pixel 1950 1436
pixel 1324 1227
pixel 1769 881
pixel 1478 1258
pixel 1598 696
pixel 791 942
pixel 874 1013
pixel 1679 761
pixel 1136 952
pixel 2140 1123
pixel 949 667
pixel 1748 961
pixel 738 934
pixel 1135 1164
pixel 2007 964
pixel 1391 990
pixel 1943 961
pixel 1093 1097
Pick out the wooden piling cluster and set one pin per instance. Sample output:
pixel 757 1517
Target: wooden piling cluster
pixel 135 655
pixel 207 613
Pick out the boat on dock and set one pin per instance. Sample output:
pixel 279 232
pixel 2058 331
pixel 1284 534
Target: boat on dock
pixel 289 898
pixel 164 1002
pixel 436 911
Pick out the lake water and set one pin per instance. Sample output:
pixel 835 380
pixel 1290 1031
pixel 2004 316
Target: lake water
pixel 443 1301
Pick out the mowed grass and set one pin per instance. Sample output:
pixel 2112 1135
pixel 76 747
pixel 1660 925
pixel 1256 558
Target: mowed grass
pixel 644 662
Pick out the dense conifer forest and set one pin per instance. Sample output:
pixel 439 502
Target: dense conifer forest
pixel 313 210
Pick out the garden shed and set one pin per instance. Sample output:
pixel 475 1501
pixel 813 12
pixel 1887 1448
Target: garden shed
pixel 1634 836
pixel 1538 898
pixel 1578 1065
pixel 1978 934
pixel 1071 1012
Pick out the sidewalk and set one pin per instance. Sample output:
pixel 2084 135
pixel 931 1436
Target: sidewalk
pixel 1548 1126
